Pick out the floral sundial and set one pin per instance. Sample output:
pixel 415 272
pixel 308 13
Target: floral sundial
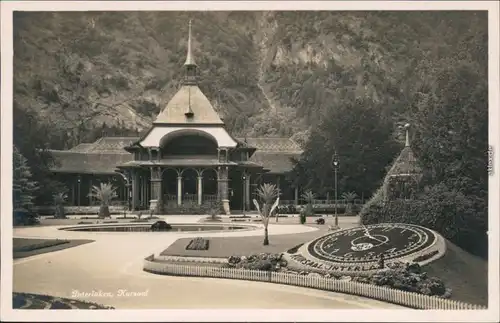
pixel 360 248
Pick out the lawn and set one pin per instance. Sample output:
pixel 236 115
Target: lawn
pixel 22 248
pixel 242 246
pixel 466 274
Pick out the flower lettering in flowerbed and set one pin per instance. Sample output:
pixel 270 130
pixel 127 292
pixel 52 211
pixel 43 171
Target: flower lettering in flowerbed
pixel 336 267
pixel 198 244
pixel 263 261
pixel 407 277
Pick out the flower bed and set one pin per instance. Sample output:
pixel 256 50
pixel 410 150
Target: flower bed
pixel 36 301
pixel 77 210
pixel 407 277
pixel 263 261
pixel 198 244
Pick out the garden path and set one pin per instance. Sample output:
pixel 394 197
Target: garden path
pixel 114 262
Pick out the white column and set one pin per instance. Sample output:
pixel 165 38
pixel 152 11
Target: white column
pixel 143 191
pixel 135 189
pixel 90 192
pixel 247 192
pixel 200 190
pixel 179 190
pixel 296 195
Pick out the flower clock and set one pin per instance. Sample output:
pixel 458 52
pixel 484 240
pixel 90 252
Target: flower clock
pixel 367 248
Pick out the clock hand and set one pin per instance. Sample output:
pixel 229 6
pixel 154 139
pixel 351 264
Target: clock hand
pixel 372 237
pixel 367 233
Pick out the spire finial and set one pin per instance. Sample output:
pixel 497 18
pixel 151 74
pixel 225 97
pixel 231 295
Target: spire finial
pixel 407 127
pixel 189 56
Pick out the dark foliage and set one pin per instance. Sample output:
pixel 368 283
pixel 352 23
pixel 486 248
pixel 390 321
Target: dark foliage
pixel 294 249
pixel 408 277
pixel 449 212
pixel 287 209
pixel 161 226
pixel 263 261
pixel 320 221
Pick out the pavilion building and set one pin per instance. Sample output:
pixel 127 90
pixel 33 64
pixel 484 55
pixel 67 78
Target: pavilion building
pixel 187 157
pixel 403 178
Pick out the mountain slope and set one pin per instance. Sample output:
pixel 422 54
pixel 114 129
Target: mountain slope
pixel 268 73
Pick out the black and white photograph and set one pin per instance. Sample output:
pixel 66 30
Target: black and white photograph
pixel 250 161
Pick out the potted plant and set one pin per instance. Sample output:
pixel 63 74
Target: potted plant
pixel 266 193
pixel 59 200
pixel 309 197
pixel 213 209
pixel 104 193
pixel 349 198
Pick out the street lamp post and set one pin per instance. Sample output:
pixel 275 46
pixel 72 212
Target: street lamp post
pixel 128 185
pixel 244 192
pixel 335 165
pixel 79 181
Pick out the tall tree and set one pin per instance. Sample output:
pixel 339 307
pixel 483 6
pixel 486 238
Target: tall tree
pixel 23 185
pixel 363 141
pixel 33 139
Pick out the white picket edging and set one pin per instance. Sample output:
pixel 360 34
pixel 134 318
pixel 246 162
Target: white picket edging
pixel 386 294
pixel 192 259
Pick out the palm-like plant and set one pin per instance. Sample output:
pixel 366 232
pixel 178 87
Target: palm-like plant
pixel 349 197
pixel 309 197
pixel 105 193
pixel 59 199
pixel 267 193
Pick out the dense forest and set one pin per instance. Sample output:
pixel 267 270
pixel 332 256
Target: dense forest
pixel 340 82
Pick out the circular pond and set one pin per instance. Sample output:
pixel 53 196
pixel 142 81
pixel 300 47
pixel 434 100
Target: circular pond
pixel 146 227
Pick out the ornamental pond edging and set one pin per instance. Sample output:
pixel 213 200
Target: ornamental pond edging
pixel 399 297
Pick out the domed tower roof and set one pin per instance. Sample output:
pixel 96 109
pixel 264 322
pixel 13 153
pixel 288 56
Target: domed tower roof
pixel 189 105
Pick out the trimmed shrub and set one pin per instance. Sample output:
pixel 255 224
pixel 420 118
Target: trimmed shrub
pixel 160 226
pixel 439 208
pixel 320 221
pixel 25 217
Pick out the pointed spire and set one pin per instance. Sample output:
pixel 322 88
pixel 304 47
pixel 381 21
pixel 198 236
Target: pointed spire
pixel 407 127
pixel 190 65
pixel 189 56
